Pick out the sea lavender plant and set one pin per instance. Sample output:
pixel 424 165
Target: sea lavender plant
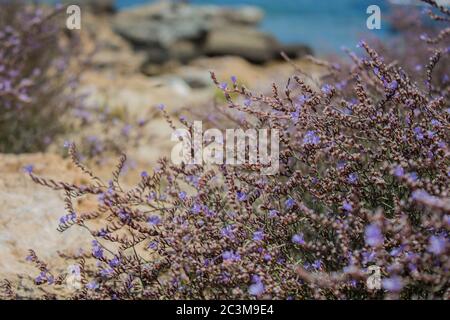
pixel 359 185
pixel 36 84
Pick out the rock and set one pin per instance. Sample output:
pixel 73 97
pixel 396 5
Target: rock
pixel 249 43
pixel 30 213
pixel 96 6
pixel 196 78
pixel 110 51
pixel 247 15
pixel 160 25
pixel 168 31
pixel 295 51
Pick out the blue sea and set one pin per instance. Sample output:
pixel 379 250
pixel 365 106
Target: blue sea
pixel 325 25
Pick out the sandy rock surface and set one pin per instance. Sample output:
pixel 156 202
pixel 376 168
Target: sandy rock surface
pixel 29 213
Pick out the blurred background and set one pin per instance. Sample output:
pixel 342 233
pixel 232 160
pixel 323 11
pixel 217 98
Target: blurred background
pixel 322 24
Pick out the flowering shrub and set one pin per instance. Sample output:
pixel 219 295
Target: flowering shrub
pixel 35 81
pixel 363 181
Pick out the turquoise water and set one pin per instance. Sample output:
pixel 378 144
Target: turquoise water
pixel 325 25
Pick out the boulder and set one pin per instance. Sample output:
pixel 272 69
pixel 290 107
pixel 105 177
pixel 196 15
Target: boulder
pixel 295 51
pixel 96 6
pixel 160 25
pixel 175 31
pixel 251 44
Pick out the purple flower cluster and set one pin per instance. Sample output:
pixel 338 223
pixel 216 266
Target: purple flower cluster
pixel 36 84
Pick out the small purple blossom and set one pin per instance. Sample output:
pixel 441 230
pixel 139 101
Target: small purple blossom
pixel 228 231
pixel 231 256
pixel 399 172
pixel 289 203
pixel 393 284
pixel 241 196
pixel 418 132
pixel 373 235
pixel 93 285
pixel 273 213
pixel 257 288
pixel 437 245
pixel 327 89
pixel 311 138
pixel 114 262
pixel 28 169
pixel 258 235
pixel 298 239
pixel 352 178
pixel 317 264
pixel 97 250
pixel 154 220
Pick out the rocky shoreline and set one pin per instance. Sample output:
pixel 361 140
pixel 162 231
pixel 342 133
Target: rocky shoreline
pixel 168 32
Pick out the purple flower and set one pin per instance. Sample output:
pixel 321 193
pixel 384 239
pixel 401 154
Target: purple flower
pixel 144 175
pixel 296 114
pixel 435 123
pixel 420 195
pixel 102 233
pixel 258 235
pixel 153 245
pixel 447 219
pixel 289 203
pixel 114 262
pixel 437 245
pixel 273 213
pixel 393 284
pixel 392 85
pixel 108 272
pixel 182 195
pixel 234 79
pixel 414 176
pixel 154 220
pixel 228 231
pixel 161 106
pixel 67 144
pixel 196 208
pixel 347 206
pixel 231 256
pixel 396 251
pixel 28 169
pixel 311 138
pixel 256 289
pixel 223 86
pixel 317 264
pixel 368 256
pixel 97 250
pixel 74 269
pixel 418 132
pixel 298 239
pixel 327 89
pixel 373 235
pixel 341 164
pixel 376 71
pixel 352 178
pixel 399 171
pixel 242 196
pixel 93 285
